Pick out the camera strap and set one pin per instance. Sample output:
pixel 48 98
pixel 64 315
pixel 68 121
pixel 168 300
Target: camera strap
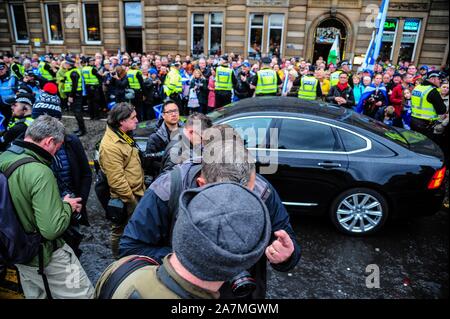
pixel 169 282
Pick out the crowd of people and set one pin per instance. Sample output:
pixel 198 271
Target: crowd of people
pixel 169 231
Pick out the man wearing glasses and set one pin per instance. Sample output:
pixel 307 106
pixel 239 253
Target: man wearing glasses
pixel 170 122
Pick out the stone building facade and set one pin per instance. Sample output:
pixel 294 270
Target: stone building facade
pixel 415 30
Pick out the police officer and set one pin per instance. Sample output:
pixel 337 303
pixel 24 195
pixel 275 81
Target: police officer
pixel 45 70
pixel 427 105
pixel 266 81
pixel 225 81
pixel 8 88
pixel 17 69
pixel 92 81
pixel 136 83
pixel 30 81
pixel 20 120
pixel 74 90
pixel 172 83
pixel 309 86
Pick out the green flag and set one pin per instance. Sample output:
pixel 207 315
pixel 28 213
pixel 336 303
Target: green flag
pixel 334 55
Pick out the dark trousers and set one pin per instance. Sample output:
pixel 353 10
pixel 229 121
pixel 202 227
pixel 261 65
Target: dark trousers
pixel 93 101
pixel 222 98
pixel 77 108
pixel 137 102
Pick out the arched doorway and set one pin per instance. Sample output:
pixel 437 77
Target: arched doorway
pixel 324 37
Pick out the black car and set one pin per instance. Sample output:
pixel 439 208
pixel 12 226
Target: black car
pixel 325 159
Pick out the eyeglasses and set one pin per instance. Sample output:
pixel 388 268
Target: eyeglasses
pixel 171 112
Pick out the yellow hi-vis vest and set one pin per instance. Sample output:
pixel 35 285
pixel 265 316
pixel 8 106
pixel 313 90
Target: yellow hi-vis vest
pixel 334 77
pixel 89 78
pixel 68 81
pixel 173 83
pixel 26 120
pixel 421 108
pixel 267 82
pixel 223 79
pixel 133 80
pixel 308 88
pixel 44 73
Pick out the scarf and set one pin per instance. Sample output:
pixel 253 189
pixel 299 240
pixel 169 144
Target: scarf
pixel 342 87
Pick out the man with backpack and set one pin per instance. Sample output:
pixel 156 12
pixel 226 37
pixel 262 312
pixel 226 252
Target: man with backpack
pixel 51 269
pixel 149 231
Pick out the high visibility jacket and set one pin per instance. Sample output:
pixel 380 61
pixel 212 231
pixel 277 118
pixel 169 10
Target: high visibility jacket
pixel 21 70
pixel 421 108
pixel 224 81
pixel 68 81
pixel 26 120
pixel 334 77
pixel 308 88
pixel 44 73
pixel 173 83
pixel 267 82
pixel 89 78
pixel 133 80
pixel 6 88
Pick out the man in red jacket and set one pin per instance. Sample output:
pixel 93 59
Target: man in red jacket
pixel 396 95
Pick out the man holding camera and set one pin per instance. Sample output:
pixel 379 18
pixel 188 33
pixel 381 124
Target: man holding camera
pixel 39 207
pixel 120 161
pixel 149 231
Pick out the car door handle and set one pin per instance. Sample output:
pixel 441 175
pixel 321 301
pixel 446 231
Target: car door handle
pixel 329 165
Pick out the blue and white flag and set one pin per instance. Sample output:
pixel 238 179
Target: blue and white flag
pixel 375 43
pixel 285 84
pixel 367 93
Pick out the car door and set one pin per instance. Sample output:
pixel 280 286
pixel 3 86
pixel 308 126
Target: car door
pixel 312 163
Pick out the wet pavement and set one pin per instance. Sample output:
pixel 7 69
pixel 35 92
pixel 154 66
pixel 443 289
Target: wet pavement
pixel 411 255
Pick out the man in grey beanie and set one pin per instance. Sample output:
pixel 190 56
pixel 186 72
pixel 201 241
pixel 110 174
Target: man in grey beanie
pixel 215 238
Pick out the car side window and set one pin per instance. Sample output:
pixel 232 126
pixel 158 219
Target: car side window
pixel 352 142
pixel 306 136
pixel 252 130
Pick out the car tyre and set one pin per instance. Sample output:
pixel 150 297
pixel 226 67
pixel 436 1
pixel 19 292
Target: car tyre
pixel 359 211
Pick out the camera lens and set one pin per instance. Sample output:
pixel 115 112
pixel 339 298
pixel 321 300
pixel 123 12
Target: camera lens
pixel 243 284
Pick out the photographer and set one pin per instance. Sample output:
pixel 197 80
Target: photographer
pixel 231 237
pixel 120 83
pixel 152 94
pixel 149 230
pixel 244 78
pixel 120 161
pixel 373 98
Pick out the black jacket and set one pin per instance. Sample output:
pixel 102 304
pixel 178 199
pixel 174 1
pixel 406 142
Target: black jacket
pixel 201 89
pixel 80 171
pixel 346 94
pixel 16 132
pixel 119 88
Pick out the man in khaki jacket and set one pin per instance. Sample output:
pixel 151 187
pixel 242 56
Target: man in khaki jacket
pixel 119 160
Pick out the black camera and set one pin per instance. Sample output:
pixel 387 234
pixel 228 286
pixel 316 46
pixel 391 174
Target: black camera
pixel 243 284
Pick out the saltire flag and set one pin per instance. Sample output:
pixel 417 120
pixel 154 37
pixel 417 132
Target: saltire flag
pixel 377 36
pixel 285 84
pixel 367 93
pixel 119 56
pixel 334 54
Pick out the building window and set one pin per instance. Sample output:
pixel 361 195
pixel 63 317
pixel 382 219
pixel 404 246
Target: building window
pixel 133 14
pixel 54 25
pixel 388 39
pixel 198 34
pixel 255 41
pixel 275 34
pixel 215 33
pixel 19 23
pixel 409 40
pixel 91 23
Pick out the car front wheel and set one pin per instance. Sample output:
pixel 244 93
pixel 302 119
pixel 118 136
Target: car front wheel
pixel 359 211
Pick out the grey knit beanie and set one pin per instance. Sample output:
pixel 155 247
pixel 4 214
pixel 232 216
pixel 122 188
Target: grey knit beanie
pixel 221 230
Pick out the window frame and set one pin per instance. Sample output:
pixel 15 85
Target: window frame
pixel 210 25
pixel 269 27
pixel 249 47
pixel 14 25
pixel 193 25
pixel 49 34
pixel 337 127
pixel 85 31
pixel 394 40
pixel 416 33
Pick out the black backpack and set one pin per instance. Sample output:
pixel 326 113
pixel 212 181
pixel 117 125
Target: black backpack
pixel 17 246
